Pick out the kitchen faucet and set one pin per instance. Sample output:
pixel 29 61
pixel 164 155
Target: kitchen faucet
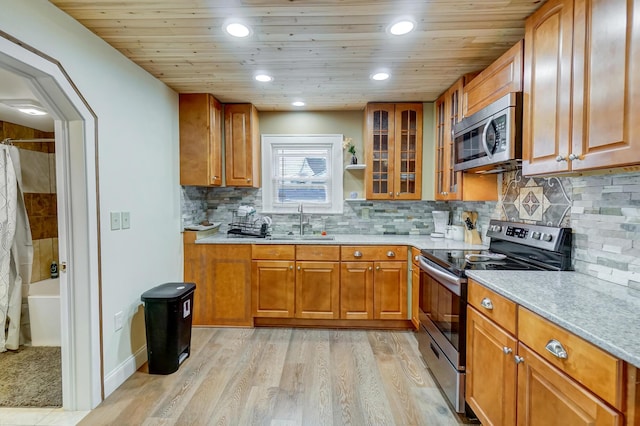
pixel 302 222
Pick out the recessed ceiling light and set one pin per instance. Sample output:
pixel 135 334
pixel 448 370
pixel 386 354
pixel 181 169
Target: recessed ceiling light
pixel 237 29
pixel 297 103
pixel 379 76
pixel 25 106
pixel 264 78
pixel 402 27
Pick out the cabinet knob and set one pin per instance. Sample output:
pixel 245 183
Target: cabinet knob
pixel 215 177
pixel 574 157
pixel 291 268
pixel 391 254
pixel 391 194
pixel 397 194
pixel 556 349
pixel 299 268
pixel 357 254
pixel 560 159
pixel 507 350
pixel 377 268
pixel 370 268
pixel 518 359
pixel 248 179
pixel 486 303
pixel 416 258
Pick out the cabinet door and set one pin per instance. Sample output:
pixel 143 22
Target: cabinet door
pixel 356 290
pixel 448 113
pixel 408 152
pixel 379 151
pixel 441 169
pixel 200 140
pixel 548 397
pixel 491 371
pixel 606 82
pixel 222 274
pixel 273 288
pixel 390 290
pixel 242 147
pixel 415 296
pixel 547 88
pixel 317 290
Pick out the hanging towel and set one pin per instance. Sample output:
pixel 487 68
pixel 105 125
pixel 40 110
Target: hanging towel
pixel 16 247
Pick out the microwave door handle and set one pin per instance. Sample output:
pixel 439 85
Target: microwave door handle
pixel 488 151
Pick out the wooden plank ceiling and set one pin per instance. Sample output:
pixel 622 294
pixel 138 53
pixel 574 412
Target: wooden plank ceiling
pixel 319 51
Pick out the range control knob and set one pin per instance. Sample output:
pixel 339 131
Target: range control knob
pixel 547 237
pixel 496 228
pixel 535 235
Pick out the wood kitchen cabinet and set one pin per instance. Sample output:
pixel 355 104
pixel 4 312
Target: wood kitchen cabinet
pixel 503 76
pixel 580 87
pixel 517 372
pixel 273 281
pixel 452 185
pixel 200 140
pixel 242 145
pixel 373 282
pixel 415 288
pixel 317 282
pixel 222 274
pixel 393 147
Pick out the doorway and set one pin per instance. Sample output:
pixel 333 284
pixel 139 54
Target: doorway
pixel 76 181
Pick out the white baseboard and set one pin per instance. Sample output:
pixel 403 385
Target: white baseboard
pixel 120 374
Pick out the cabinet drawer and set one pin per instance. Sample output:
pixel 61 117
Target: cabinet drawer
pixel 373 253
pixel 584 362
pixel 502 311
pixel 273 251
pixel 311 252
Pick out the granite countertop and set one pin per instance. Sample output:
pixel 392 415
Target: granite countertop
pixel 600 312
pixel 418 241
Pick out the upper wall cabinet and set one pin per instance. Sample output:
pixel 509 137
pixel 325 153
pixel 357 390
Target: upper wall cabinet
pixel 393 148
pixel 452 185
pixel 200 140
pixel 503 76
pixel 581 87
pixel 242 145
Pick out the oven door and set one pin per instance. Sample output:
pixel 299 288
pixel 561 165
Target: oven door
pixel 442 304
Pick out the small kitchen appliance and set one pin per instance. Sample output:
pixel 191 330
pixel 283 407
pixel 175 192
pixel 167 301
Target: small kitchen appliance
pixel 440 222
pixel 443 291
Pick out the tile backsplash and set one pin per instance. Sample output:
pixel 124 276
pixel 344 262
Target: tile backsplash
pixel 602 210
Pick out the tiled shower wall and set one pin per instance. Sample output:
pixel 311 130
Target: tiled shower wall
pixel 604 212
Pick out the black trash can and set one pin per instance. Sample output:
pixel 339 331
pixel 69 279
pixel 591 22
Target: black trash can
pixel 168 313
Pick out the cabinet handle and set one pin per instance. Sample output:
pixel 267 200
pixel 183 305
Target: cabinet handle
pixel 556 349
pixel 507 350
pixel 215 177
pixel 357 254
pixel 560 159
pixel 518 359
pixel 391 194
pixel 486 303
pixel 391 254
pixel 299 268
pixel 248 180
pixel 574 157
pixel 370 268
pixel 397 194
pixel 416 258
pixel 291 268
pixel 377 268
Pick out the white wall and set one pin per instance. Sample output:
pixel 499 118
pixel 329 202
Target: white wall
pixel 137 124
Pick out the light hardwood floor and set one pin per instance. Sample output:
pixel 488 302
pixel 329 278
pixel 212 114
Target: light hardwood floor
pixel 285 377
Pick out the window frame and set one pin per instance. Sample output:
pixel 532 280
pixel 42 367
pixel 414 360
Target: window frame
pixel 270 142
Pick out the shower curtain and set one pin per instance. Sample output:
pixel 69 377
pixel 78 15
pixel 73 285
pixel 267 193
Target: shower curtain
pixel 16 248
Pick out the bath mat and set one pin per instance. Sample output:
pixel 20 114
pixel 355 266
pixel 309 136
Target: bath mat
pixel 31 377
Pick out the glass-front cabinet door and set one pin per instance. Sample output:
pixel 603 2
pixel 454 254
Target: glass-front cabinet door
pixel 448 113
pixel 393 148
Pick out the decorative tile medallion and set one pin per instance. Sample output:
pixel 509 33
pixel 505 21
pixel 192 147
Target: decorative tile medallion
pixel 535 200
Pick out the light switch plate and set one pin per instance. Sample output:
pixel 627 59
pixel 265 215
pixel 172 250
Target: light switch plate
pixel 115 221
pixel 126 220
pixel 118 320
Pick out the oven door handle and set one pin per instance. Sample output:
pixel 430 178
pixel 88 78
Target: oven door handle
pixel 452 282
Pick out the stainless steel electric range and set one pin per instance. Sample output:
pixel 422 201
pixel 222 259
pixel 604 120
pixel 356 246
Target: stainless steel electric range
pixel 443 292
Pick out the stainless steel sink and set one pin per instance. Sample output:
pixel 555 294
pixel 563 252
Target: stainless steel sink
pixel 284 237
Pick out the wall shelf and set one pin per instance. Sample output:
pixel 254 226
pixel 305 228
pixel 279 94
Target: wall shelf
pixel 355 166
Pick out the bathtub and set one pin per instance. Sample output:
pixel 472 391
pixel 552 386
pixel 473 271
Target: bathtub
pixel 44 312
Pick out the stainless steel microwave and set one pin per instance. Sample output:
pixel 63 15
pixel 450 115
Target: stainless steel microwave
pixel 491 139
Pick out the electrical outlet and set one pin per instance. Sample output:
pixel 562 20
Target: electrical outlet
pixel 126 220
pixel 115 221
pixel 118 320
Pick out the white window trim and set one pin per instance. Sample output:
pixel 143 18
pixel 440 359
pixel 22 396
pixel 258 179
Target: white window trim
pixel 335 140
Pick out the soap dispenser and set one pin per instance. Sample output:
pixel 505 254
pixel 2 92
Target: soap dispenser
pixel 54 269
